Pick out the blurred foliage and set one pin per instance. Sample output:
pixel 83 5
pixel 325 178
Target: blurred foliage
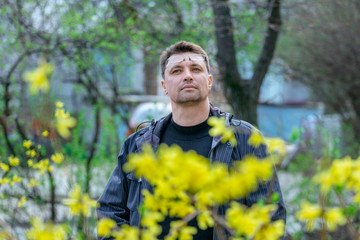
pixel 320 48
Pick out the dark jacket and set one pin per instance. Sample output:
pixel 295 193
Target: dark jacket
pixel 122 195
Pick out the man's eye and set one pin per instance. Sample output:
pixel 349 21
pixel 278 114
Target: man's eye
pixel 196 69
pixel 176 71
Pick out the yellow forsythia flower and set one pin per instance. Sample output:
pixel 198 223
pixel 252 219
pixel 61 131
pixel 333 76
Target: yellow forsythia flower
pixel 33 183
pixel 38 78
pixel 27 143
pixel 41 231
pixel 334 217
pixel 30 153
pixel 272 231
pixel 325 180
pixel 219 128
pixel 205 220
pixel 59 104
pixel 64 122
pixel 151 220
pixel 21 202
pixel 275 145
pixel 104 227
pixel 43 166
pixel 79 203
pixel 128 233
pixel 251 219
pixel 15 179
pixel 256 139
pixel 309 213
pixel 5 235
pixel 45 133
pixel 30 162
pixel 186 233
pixel 4 181
pixel 339 174
pixel 4 167
pixel 57 157
pixel 13 161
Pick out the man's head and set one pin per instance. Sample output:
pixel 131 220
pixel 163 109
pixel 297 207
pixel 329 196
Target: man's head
pixel 182 47
pixel 185 69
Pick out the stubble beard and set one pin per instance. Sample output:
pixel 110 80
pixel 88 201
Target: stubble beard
pixel 190 98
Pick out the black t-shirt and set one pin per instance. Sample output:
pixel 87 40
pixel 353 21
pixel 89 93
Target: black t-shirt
pixel 195 138
pixel 188 138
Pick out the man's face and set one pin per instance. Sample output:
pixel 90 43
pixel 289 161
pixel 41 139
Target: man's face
pixel 186 79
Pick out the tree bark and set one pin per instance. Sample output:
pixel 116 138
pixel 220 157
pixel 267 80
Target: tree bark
pixel 243 94
pixel 93 148
pixel 150 71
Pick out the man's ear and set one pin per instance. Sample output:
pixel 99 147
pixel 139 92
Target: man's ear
pixel 164 86
pixel 210 81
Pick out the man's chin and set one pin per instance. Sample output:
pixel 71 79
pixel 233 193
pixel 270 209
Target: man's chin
pixel 190 101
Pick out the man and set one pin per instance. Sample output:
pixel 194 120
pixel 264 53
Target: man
pixel 187 81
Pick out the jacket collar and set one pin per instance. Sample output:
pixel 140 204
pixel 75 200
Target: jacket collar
pixel 152 135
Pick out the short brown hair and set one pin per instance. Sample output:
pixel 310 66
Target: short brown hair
pixel 182 47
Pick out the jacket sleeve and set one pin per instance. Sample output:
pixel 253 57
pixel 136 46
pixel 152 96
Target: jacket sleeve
pixel 272 186
pixel 263 190
pixel 112 202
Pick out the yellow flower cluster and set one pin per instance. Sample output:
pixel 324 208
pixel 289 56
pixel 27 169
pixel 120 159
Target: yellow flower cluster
pixel 57 157
pixel 4 181
pixel 33 183
pixel 15 179
pixel 256 138
pixel 342 173
pixel 11 181
pixel 38 78
pixel 45 133
pixel 41 231
pixel 13 161
pixel 43 166
pixel 21 202
pixel 220 129
pixel 174 172
pixel 309 213
pixel 63 121
pixel 30 153
pixel 27 144
pixel 275 146
pixel 105 226
pixel 79 203
pixel 129 233
pixel 4 167
pixel 185 182
pixel 255 222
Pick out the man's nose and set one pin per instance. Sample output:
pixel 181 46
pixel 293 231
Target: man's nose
pixel 187 75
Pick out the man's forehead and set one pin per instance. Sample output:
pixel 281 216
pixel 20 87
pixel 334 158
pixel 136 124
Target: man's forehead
pixel 188 56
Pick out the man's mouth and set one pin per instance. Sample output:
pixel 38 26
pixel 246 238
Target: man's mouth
pixel 189 86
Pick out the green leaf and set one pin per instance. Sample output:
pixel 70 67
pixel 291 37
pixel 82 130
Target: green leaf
pixel 275 197
pixel 261 202
pixel 351 210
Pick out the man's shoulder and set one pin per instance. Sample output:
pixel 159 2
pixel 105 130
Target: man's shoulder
pixel 138 133
pixel 150 127
pixel 242 126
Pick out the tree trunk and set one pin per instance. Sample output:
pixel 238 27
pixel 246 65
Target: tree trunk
pixel 355 102
pixel 243 102
pixel 240 93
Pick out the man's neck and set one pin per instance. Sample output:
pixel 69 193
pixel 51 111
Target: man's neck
pixel 190 114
